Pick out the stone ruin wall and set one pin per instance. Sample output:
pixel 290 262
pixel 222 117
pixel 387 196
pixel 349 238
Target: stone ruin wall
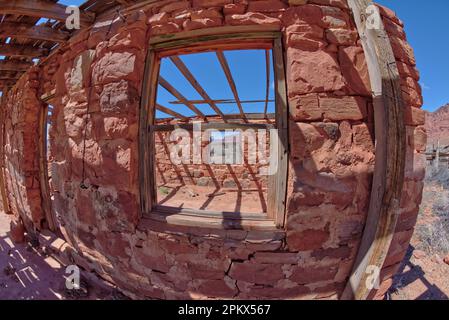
pixel 98 79
pixel 246 175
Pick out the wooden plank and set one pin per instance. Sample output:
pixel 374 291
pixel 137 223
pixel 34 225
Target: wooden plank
pixel 26 31
pixel 190 218
pixel 41 9
pixel 267 68
pixel 207 213
pixel 23 51
pixel 147 176
pixel 14 65
pixel 225 66
pixel 223 101
pixel 17 50
pixel 48 95
pixel 43 170
pixel 5 201
pixel 211 126
pixel 11 75
pixel 390 154
pixel 277 183
pixel 195 84
pixel 213 46
pixel 167 86
pixel 219 33
pixel 7 83
pixel 170 112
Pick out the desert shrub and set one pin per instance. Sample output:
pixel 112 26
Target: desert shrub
pixel 438 175
pixel 434 237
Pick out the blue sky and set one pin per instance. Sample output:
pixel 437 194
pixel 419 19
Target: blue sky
pixel 427 32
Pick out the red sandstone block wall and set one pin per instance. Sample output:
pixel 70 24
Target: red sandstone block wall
pixel 94 140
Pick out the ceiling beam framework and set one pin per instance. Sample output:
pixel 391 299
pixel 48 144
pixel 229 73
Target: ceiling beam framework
pixel 27 31
pixel 42 9
pixel 12 65
pixel 23 51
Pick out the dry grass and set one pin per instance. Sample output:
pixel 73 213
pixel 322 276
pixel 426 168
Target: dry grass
pixel 434 234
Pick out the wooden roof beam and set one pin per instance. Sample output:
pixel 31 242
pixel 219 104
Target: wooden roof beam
pixel 15 50
pixel 195 84
pixel 170 112
pixel 44 33
pixel 167 86
pixel 227 71
pixel 13 65
pixel 41 9
pixel 7 83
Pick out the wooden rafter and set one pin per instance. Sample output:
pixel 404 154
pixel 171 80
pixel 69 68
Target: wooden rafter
pixel 17 50
pixel 13 65
pixel 267 66
pixel 222 101
pixel 170 112
pixel 167 86
pixel 27 31
pixel 41 9
pixel 195 84
pixel 225 66
pixel 7 83
pixel 6 76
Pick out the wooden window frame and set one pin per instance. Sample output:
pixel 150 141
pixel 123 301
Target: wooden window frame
pixel 43 162
pixel 211 40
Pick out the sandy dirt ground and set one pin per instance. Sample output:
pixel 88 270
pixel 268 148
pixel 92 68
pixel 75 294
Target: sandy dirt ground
pixel 211 199
pixel 424 275
pixel 26 273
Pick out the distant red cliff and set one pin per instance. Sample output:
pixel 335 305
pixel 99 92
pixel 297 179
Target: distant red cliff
pixel 437 124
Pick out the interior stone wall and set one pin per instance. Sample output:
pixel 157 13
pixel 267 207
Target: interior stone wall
pixel 94 141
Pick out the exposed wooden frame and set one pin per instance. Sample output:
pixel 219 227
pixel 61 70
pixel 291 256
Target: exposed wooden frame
pixel 14 65
pixel 278 187
pixel 43 169
pixel 224 101
pixel 167 86
pixel 390 154
pixel 25 31
pixel 226 38
pixel 170 112
pixel 146 140
pixel 41 9
pixel 212 126
pixel 4 196
pixel 195 84
pixel 225 66
pixel 267 66
pixel 23 51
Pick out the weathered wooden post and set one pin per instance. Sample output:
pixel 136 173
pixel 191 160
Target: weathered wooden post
pixel 437 156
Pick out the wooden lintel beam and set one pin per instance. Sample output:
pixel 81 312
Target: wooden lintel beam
pixel 16 50
pixel 42 9
pixel 12 65
pixel 167 86
pixel 27 31
pixel 195 84
pixel 225 66
pixel 219 126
